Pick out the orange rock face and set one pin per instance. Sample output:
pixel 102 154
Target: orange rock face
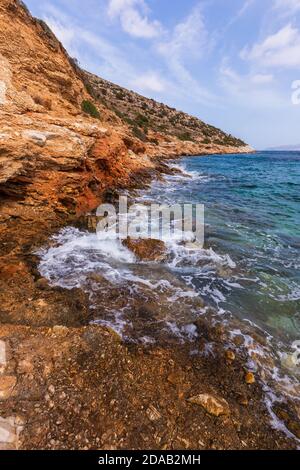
pixel 51 153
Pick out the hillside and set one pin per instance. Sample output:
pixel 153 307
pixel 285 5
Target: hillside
pixel 150 120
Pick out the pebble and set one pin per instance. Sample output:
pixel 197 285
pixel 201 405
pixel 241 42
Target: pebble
pixel 7 432
pixel 249 378
pixel 213 405
pixel 230 356
pixel 153 414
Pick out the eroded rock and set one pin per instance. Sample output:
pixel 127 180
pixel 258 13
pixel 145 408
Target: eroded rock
pixel 147 250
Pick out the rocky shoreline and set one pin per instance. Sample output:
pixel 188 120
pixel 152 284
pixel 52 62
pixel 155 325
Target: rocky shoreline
pixel 66 384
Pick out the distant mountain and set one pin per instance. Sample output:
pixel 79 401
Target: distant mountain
pixel 286 148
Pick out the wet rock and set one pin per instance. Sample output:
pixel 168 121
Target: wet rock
pixel 242 399
pixel 91 222
pixel 230 356
pixel 7 385
pixel 294 427
pixel 97 278
pixel 213 405
pixel 289 418
pixel 42 284
pixel 146 250
pixel 249 378
pixel 239 341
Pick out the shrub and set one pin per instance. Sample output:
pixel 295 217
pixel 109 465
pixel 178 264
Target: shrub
pixel 120 95
pixel 89 108
pixel 89 89
pixel 137 132
pixel 141 120
pixel 185 136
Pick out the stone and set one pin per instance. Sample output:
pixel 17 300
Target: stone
pixel 230 356
pixel 60 330
pixel 249 378
pixel 294 427
pixel 239 341
pixel 213 405
pixel 146 250
pixel 2 356
pixel 40 138
pixel 7 432
pixel 7 385
pixel 242 400
pixel 42 284
pixel 153 414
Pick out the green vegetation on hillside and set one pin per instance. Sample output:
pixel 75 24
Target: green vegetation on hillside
pixel 89 108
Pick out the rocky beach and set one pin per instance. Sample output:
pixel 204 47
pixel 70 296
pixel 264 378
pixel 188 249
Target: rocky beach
pixel 66 382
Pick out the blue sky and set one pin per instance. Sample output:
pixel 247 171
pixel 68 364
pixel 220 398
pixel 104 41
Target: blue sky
pixel 229 62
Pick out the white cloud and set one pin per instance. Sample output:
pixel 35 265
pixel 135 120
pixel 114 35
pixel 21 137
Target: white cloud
pixel 281 49
pixel 253 90
pixel 133 16
pixel 188 37
pixel 149 82
pixel 287 7
pixel 65 34
pixel 93 51
pixel 241 12
pixel 188 41
pixel 261 79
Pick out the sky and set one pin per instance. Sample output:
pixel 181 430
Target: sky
pixel 231 63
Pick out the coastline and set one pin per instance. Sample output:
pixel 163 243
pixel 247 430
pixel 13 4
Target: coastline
pixel 81 387
pixel 64 383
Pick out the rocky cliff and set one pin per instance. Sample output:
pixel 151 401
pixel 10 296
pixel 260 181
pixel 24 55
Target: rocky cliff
pixel 66 134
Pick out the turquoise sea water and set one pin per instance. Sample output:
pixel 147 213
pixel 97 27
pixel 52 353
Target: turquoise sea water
pixel 248 272
pixel 249 268
pixel 252 214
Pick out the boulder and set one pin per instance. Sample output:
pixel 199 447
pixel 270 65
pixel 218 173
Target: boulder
pixel 146 250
